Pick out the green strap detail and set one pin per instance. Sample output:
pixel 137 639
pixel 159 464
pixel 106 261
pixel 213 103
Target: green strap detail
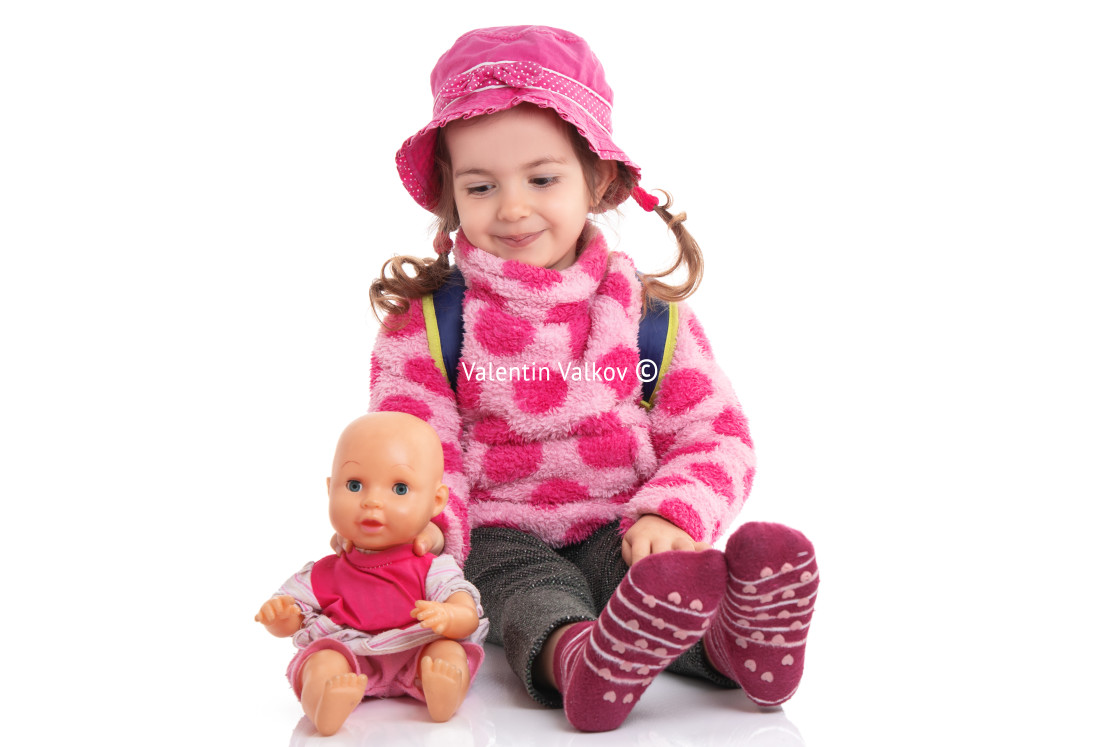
pixel 667 356
pixel 432 328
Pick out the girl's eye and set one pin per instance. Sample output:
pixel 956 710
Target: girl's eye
pixel 400 488
pixel 479 189
pixel 353 486
pixel 543 181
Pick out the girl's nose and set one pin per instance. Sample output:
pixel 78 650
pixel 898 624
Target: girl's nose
pixel 514 206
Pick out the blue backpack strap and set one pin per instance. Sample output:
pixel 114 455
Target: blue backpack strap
pixel 443 317
pixel 657 339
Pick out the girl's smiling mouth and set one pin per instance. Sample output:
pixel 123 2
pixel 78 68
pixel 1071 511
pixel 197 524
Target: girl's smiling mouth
pixel 519 240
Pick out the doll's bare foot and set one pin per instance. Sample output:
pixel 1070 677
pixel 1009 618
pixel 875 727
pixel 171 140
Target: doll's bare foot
pixel 341 695
pixel 444 685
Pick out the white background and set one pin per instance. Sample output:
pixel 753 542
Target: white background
pixel 909 213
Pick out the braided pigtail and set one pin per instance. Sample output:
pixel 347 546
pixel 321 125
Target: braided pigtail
pixel 688 252
pixel 404 280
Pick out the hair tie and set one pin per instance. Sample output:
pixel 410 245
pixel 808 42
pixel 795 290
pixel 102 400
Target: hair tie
pixel 443 243
pixel 645 200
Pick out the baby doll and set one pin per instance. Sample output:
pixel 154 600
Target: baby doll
pixel 378 620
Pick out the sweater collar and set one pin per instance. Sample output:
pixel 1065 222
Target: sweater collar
pixel 518 282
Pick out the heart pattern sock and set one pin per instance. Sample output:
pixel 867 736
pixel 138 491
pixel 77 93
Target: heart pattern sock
pixel 758 635
pixel 661 608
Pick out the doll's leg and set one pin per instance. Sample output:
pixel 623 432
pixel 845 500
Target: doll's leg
pixel 331 690
pixel 758 636
pixel 444 677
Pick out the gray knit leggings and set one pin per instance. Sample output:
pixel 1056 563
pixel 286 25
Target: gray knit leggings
pixel 530 589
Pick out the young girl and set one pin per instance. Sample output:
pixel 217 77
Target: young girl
pixel 583 514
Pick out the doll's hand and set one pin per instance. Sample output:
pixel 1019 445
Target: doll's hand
pixel 651 534
pixel 340 545
pixel 280 616
pixel 429 540
pixel 435 616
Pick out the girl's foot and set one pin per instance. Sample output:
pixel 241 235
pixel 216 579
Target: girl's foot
pixel 758 636
pixel 661 608
pixel 341 695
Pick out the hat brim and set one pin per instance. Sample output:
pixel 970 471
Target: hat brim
pixel 416 158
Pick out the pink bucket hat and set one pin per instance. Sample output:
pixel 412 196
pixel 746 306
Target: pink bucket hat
pixel 494 69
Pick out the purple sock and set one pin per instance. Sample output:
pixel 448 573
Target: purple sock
pixel 758 636
pixel 661 608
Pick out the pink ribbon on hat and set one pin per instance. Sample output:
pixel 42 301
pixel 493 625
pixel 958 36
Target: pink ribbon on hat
pixel 515 74
pixel 645 200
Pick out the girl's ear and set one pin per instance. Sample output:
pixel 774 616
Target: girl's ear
pixel 605 174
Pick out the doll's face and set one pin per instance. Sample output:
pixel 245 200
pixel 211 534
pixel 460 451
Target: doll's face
pixel 386 482
pixel 519 187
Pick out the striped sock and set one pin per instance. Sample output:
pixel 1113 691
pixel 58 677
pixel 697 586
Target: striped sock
pixel 758 636
pixel 660 609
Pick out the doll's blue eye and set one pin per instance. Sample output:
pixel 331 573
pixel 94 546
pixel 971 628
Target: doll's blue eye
pixel 400 488
pixel 353 486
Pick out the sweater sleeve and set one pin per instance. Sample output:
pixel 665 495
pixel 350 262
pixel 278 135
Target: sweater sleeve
pixel 404 378
pixel 705 457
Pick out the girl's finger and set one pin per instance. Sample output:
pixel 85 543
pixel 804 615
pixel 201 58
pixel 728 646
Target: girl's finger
pixel 640 550
pixel 684 543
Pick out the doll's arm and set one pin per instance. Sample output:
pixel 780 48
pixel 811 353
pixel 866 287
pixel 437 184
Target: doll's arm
pixel 704 451
pixel 404 378
pixel 280 616
pixel 454 618
pixel 296 592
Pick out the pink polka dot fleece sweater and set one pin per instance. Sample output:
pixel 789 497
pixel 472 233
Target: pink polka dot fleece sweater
pixel 547 433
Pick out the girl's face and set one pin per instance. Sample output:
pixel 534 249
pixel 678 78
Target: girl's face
pixel 519 187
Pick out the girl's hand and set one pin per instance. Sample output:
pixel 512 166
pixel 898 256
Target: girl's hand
pixel 341 545
pixel 430 540
pixel 651 534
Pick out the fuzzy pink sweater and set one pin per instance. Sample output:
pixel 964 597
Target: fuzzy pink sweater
pixel 547 433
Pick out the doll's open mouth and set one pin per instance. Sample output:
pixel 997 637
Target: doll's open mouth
pixel 369 525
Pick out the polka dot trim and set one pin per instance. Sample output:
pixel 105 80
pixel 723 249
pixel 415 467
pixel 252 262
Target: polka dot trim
pixel 526 75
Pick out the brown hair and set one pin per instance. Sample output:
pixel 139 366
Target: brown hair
pixel 392 292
